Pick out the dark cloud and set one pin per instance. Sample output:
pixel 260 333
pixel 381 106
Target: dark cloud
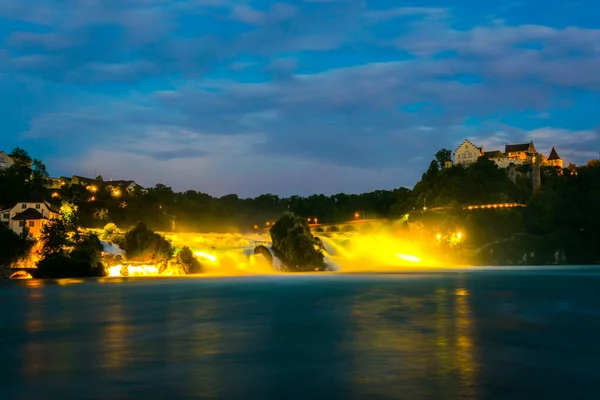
pixel 218 87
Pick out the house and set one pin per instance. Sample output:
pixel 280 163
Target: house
pixel 5 161
pixel 54 183
pixel 554 159
pixel 115 187
pixel 129 186
pixel 520 153
pixel 467 153
pixel 499 158
pixel 32 212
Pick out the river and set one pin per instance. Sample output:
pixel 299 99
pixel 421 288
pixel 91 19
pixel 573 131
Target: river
pixel 470 334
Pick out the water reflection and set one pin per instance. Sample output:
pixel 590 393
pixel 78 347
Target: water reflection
pixel 297 336
pixel 407 339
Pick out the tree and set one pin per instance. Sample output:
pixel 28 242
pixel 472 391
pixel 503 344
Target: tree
pixel 54 237
pixel 20 156
pixel 12 246
pixel 82 261
pixel 295 245
pixel 442 156
pixel 144 244
pixel 186 259
pixel 39 176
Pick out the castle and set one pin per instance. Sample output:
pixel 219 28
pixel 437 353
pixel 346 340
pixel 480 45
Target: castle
pixel 517 154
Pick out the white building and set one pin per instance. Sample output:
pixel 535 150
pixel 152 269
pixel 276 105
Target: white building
pixel 467 153
pixel 32 212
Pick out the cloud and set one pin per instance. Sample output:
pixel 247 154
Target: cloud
pixel 370 89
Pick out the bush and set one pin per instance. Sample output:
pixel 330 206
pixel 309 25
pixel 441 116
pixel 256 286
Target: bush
pixel 295 245
pixel 12 246
pixel 83 261
pixel 144 244
pixel 109 230
pixel 190 264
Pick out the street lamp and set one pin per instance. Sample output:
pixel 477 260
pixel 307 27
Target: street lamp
pixel 359 214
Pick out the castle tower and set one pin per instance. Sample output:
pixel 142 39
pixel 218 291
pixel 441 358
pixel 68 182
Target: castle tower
pixel 554 159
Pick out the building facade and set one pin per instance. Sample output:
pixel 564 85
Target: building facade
pixel 467 153
pixel 513 154
pixel 520 153
pixel 31 213
pixel 554 159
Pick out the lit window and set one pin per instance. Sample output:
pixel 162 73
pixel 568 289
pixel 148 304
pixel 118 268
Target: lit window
pixel 31 224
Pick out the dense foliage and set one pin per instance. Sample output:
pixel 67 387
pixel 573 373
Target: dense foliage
pixel 559 223
pixel 294 243
pixel 13 247
pixel 143 244
pixel 186 259
pixel 27 175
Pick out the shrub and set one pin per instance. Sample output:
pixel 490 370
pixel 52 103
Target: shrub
pixel 144 244
pixel 295 245
pixel 190 264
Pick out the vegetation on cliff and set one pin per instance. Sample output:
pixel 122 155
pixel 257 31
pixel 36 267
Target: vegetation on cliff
pixel 295 245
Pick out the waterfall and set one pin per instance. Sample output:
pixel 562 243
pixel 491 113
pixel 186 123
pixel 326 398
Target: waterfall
pixel 277 263
pixel 111 248
pixel 333 249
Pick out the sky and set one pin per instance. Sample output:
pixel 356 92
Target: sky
pixel 293 97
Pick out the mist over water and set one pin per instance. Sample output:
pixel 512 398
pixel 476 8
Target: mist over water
pixel 233 253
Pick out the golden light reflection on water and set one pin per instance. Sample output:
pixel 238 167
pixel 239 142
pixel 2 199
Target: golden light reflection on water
pixel 464 343
pixel 395 336
pixel 115 338
pixel 34 324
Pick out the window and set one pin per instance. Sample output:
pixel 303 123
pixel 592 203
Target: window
pixel 23 206
pixel 31 224
pixel 6 216
pixel 21 223
pixel 37 206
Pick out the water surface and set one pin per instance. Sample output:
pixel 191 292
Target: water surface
pixel 480 334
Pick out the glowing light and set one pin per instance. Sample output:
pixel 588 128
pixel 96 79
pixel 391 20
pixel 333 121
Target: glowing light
pixel 316 220
pixel 115 270
pixel 55 194
pixel 459 235
pixel 439 236
pixel 116 193
pixel 205 255
pixel 20 275
pixel 408 257
pixel 356 215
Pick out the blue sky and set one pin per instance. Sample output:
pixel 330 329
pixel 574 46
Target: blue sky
pixel 295 97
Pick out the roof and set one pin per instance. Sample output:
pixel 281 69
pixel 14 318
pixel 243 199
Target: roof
pixel 35 197
pixel 553 155
pixel 493 154
pixel 467 141
pixel 120 183
pixel 510 148
pixel 28 215
pixel 83 178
